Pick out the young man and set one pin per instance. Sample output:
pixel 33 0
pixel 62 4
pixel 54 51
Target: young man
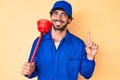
pixel 61 55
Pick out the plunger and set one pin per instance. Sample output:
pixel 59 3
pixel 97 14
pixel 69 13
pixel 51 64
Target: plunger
pixel 43 27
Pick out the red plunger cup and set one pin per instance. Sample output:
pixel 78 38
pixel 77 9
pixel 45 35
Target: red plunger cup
pixel 43 26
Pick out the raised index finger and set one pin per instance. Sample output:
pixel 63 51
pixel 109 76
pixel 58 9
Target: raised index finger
pixel 88 36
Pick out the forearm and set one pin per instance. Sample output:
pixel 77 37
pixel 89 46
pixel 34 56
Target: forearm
pixel 87 68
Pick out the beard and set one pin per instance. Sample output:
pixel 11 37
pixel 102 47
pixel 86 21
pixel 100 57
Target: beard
pixel 57 27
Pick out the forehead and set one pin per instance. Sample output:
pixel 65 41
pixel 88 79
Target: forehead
pixel 59 10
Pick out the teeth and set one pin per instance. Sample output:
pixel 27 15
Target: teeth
pixel 58 23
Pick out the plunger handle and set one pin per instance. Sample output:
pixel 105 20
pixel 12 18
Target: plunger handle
pixel 36 48
pixel 35 51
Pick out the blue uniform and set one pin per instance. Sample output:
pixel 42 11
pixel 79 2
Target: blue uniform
pixel 63 63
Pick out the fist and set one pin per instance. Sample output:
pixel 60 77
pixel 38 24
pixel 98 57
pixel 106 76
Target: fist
pixel 28 69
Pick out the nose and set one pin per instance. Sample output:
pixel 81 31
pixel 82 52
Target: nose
pixel 59 17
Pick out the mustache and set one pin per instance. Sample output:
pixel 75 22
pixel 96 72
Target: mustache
pixel 58 21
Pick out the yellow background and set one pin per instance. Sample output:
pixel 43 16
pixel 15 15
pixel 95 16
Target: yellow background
pixel 18 29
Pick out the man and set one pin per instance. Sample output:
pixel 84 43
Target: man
pixel 61 55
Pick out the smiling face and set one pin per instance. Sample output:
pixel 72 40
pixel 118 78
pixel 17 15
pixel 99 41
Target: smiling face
pixel 60 20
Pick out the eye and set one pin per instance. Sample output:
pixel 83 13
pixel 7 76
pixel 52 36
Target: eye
pixel 55 13
pixel 64 15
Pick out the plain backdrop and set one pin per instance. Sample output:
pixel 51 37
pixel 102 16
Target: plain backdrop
pixel 18 29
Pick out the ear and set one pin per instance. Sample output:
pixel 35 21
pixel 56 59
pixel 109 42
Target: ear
pixel 69 21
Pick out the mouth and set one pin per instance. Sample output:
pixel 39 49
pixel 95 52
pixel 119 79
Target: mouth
pixel 58 22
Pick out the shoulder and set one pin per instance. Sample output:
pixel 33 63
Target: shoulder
pixel 35 40
pixel 76 40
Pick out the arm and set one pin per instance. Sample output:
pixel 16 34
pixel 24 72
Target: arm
pixel 88 54
pixel 87 66
pixel 34 73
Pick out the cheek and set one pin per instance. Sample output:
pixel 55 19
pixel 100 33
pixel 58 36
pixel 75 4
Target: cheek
pixel 53 18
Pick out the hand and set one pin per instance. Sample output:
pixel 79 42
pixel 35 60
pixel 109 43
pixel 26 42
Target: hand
pixel 91 48
pixel 28 68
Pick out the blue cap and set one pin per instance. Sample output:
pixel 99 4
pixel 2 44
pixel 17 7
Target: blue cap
pixel 65 6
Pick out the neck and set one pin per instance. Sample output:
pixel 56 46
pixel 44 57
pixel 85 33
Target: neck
pixel 58 35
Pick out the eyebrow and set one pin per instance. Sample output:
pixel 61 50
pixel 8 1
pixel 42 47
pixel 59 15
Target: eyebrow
pixel 57 12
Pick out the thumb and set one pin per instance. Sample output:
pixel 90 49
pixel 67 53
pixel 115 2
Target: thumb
pixel 32 64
